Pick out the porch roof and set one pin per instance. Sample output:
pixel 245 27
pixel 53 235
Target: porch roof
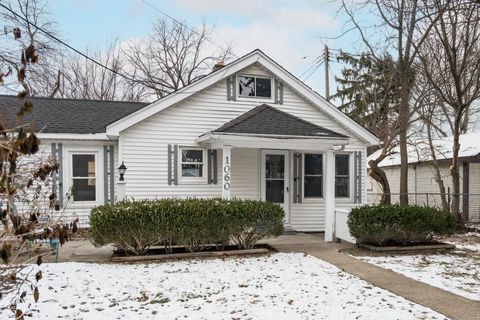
pixel 266 120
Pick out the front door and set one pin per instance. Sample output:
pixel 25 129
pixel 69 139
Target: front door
pixel 275 178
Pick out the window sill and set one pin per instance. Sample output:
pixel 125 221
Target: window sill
pixel 263 99
pixel 192 182
pixel 85 203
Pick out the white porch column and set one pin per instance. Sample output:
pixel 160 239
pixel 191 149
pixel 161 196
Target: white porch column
pixel 226 170
pixel 329 195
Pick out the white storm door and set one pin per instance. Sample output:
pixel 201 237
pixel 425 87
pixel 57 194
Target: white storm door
pixel 275 180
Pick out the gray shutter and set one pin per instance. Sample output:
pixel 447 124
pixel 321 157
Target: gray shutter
pixel 112 175
pixel 106 173
pixel 278 90
pixel 297 177
pixel 231 88
pixel 212 166
pixel 55 175
pixel 109 174
pixel 60 173
pixel 57 178
pixel 172 164
pixel 357 176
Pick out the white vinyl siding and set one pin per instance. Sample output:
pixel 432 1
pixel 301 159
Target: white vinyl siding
pixel 144 148
pixel 78 209
pixel 474 201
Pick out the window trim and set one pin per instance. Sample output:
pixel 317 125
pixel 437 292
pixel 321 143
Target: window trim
pixel 304 198
pixel 272 89
pixel 98 174
pixel 350 177
pixel 192 180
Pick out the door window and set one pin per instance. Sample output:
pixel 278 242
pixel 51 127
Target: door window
pixel 275 178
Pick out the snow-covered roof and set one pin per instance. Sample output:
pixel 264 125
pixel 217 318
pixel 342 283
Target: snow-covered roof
pixel 419 150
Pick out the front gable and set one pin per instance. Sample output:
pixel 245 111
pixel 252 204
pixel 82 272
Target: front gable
pixel 219 91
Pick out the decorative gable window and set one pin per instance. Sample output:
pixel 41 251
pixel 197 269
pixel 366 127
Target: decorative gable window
pixel 342 175
pixel 313 176
pixel 250 86
pixel 192 163
pixel 84 177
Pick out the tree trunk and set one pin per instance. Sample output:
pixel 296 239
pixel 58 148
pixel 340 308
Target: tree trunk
pixel 438 175
pixel 403 128
pixel 379 175
pixel 454 170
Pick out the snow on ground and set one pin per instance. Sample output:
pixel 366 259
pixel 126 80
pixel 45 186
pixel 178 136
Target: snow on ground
pixel 279 286
pixel 457 271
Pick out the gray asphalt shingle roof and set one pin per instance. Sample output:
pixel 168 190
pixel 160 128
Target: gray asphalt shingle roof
pixel 51 115
pixel 267 120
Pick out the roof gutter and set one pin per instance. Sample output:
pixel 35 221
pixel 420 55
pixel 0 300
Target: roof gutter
pixel 75 136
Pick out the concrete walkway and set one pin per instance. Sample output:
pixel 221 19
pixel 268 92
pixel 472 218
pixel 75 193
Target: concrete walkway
pixel 81 251
pixel 447 303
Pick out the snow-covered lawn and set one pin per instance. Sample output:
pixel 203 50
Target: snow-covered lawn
pixel 457 271
pixel 279 286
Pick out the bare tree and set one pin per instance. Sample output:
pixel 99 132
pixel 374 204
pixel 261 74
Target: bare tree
pixel 25 179
pixel 84 79
pixel 404 26
pixel 27 42
pixel 431 112
pixel 172 57
pixel 451 64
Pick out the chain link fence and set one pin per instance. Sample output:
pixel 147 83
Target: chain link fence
pixel 469 202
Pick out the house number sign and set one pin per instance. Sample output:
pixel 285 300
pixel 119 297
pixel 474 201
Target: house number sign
pixel 226 173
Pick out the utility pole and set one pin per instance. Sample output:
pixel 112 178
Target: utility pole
pixel 327 84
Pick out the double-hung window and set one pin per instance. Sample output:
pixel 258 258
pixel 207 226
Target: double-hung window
pixel 192 163
pixel 84 177
pixel 342 175
pixel 249 86
pixel 313 176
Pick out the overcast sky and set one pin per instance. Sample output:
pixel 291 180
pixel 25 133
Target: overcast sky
pixel 288 31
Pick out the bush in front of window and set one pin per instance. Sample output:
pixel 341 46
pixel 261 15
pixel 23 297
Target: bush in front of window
pixel 396 224
pixel 196 224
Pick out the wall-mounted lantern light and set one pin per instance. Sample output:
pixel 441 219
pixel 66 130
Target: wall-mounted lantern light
pixel 121 171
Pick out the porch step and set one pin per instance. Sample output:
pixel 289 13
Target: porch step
pixel 289 230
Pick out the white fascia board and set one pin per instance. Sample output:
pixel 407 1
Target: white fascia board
pixel 75 136
pixel 115 128
pixel 213 135
pixel 218 141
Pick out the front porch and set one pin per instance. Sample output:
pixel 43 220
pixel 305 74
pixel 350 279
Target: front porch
pixel 272 156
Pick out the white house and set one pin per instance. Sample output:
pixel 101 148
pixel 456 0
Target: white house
pixel 248 130
pixel 422 183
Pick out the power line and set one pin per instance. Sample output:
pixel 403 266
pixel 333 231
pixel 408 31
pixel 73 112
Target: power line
pixel 315 61
pixel 186 26
pixel 70 47
pixel 313 71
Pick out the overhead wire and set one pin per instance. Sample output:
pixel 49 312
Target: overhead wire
pixel 69 46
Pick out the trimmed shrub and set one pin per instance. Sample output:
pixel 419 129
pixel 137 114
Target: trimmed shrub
pixel 135 226
pixel 381 224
